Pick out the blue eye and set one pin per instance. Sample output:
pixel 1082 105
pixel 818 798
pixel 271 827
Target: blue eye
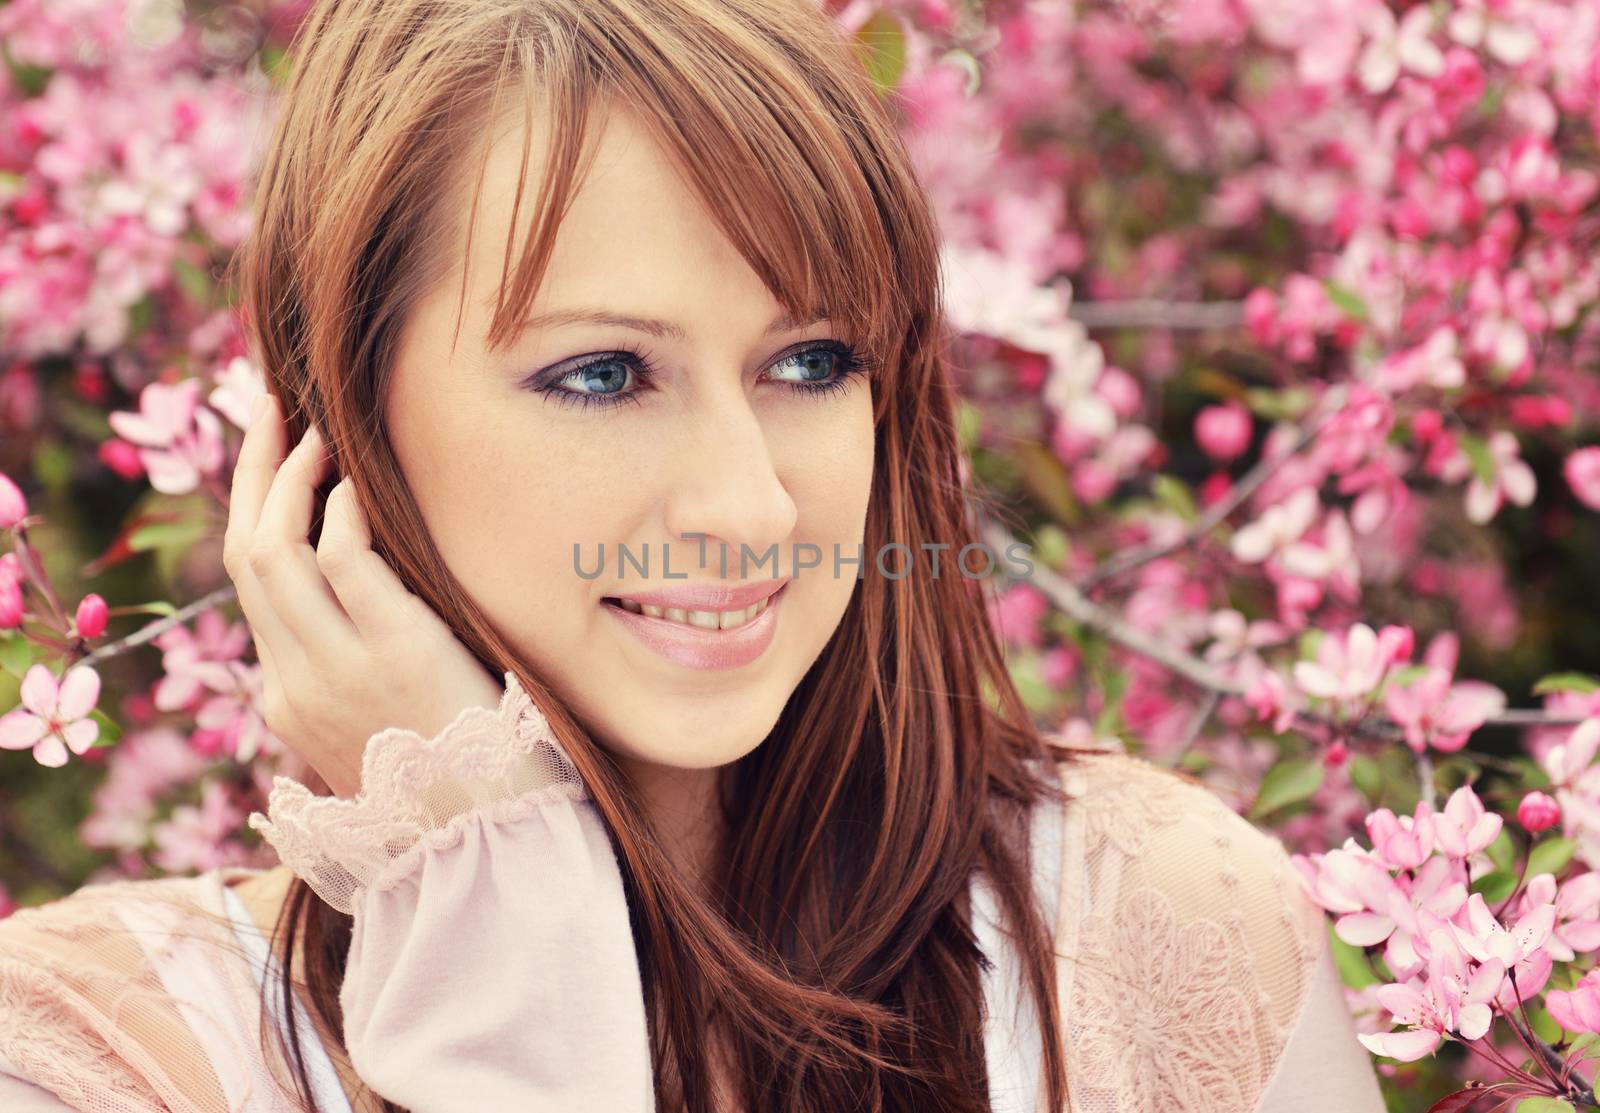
pixel 820 368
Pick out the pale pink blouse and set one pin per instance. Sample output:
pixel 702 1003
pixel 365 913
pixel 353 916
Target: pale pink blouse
pixel 492 967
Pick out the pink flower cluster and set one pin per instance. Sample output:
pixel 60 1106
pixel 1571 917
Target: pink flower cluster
pixel 1453 960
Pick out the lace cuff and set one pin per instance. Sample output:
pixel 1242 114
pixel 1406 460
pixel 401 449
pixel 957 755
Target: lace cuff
pixel 417 794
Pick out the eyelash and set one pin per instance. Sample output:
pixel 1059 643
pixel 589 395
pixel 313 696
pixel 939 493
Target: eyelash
pixel 851 362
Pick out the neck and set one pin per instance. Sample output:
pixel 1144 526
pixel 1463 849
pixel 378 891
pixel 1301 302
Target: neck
pixel 682 805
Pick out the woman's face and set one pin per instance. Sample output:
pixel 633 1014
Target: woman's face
pixel 745 430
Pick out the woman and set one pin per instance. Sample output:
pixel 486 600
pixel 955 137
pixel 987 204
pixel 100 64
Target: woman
pixel 755 820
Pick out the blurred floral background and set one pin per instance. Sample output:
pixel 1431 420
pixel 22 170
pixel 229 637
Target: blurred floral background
pixel 1277 339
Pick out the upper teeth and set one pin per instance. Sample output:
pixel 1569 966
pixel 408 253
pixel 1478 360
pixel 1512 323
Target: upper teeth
pixel 708 620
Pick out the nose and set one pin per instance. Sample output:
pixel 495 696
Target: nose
pixel 725 490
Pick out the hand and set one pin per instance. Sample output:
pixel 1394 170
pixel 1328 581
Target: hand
pixel 345 649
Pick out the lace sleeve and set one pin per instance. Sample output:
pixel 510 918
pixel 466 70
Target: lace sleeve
pixel 486 766
pixel 491 962
pixel 1189 951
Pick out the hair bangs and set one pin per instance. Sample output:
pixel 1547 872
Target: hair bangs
pixel 779 168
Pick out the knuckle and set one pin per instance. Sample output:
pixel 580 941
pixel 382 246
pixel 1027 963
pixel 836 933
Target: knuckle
pixel 261 559
pixel 334 557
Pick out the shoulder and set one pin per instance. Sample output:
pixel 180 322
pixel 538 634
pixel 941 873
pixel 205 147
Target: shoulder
pixel 98 990
pixel 1188 945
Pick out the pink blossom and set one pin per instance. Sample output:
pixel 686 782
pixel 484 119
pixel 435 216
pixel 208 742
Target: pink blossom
pixel 198 838
pixel 1402 842
pixel 1455 996
pixel 1464 827
pixel 1538 812
pixel 1347 668
pixel 1582 469
pixel 1277 528
pixel 1512 479
pixel 142 766
pixel 1577 1009
pixel 1017 614
pixel 239 385
pixel 1520 946
pixel 1435 712
pixel 235 715
pixel 1577 905
pixel 179 440
pixel 1393 47
pixel 13 507
pixel 1223 432
pixel 54 718
pixel 197 661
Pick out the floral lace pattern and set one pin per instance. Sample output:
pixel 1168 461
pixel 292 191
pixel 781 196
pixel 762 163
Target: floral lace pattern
pixel 498 766
pixel 101 1001
pixel 1191 951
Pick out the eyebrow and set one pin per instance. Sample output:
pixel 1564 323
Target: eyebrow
pixel 665 330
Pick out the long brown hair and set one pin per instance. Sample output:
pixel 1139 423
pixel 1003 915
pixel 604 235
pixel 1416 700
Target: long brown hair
pixel 837 957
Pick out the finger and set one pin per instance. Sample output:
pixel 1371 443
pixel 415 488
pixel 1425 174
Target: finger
pixel 285 564
pixel 373 595
pixel 253 473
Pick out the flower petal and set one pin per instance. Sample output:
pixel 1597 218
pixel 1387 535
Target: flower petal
pixel 39 691
pixel 80 690
pixel 20 729
pixel 80 735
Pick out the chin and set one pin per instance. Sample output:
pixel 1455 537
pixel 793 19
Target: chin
pixel 692 742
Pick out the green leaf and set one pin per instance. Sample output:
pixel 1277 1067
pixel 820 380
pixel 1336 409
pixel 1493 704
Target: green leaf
pixel 110 732
pixel 1051 546
pixel 1289 404
pixel 1544 1105
pixel 1174 494
pixel 31 80
pixel 1346 300
pixel 1477 450
pixel 1544 1025
pixel 1503 851
pixel 1354 968
pixel 197 285
pixel 53 463
pixel 164 610
pixel 160 535
pixel 16 655
pixel 969 423
pixel 1367 775
pixel 1407 674
pixel 882 43
pixel 1496 886
pixel 1551 856
pixel 1288 782
pixel 1566 682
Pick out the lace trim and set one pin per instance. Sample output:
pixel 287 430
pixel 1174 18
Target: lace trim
pixel 417 795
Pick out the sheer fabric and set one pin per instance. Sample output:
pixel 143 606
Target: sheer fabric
pixel 492 965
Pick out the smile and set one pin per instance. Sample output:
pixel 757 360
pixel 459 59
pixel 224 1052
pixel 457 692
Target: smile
pixel 714 636
pixel 705 620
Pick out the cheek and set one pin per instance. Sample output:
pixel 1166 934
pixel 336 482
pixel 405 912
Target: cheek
pixel 505 503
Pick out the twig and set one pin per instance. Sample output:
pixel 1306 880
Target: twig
pixel 1332 405
pixel 1151 313
pixel 1075 604
pixel 160 626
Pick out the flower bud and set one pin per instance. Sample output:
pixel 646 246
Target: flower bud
pixel 13 507
pixel 1537 812
pixel 91 616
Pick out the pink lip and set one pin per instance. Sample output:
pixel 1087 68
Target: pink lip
pixel 706 596
pixel 697 648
